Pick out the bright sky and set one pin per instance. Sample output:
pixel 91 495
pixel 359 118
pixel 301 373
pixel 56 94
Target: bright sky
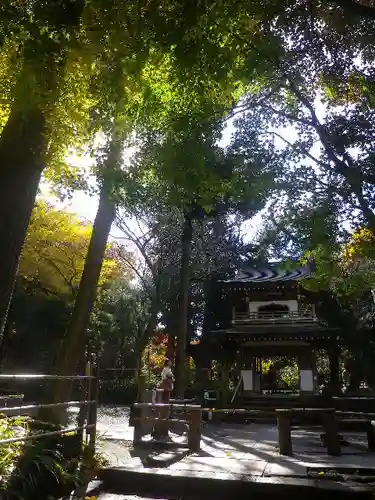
pixel 85 206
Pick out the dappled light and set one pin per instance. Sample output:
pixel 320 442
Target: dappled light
pixel 187 241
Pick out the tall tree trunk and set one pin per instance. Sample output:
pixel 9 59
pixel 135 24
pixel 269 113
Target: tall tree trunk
pixel 171 321
pixel 142 342
pixel 187 234
pixel 171 346
pixel 22 147
pixel 23 139
pixel 73 345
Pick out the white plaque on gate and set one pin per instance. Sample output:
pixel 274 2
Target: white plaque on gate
pixel 307 380
pixel 247 380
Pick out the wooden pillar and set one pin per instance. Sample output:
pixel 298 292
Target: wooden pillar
pixel 142 427
pixel 194 418
pixel 371 435
pixel 314 371
pixel 284 426
pixel 138 429
pixel 334 370
pixel 332 437
pixel 225 384
pixel 160 430
pixel 242 358
pixel 257 374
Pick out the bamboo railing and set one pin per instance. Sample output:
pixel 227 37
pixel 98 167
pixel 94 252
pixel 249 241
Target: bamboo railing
pixel 86 420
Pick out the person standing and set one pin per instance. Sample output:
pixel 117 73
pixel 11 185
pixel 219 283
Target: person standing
pixel 165 387
pixel 167 380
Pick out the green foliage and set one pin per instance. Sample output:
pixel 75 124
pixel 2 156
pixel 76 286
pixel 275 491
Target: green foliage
pixel 290 375
pixel 347 272
pixel 117 325
pixel 55 249
pixel 342 288
pixel 36 324
pixel 313 119
pixel 42 469
pixel 10 428
pixel 118 391
pixel 46 468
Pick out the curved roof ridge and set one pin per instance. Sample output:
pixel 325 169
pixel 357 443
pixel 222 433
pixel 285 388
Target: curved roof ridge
pixel 254 274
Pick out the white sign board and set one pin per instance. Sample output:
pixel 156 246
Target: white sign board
pixel 306 380
pixel 247 380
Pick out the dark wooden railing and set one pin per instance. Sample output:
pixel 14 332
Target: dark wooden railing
pixel 86 420
pixel 273 317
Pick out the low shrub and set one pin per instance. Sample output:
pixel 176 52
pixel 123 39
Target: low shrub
pixel 121 392
pixel 10 428
pixel 45 468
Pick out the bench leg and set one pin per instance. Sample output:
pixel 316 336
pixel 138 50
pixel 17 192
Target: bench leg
pixel 194 431
pixel 332 435
pixel 284 433
pixel 138 432
pixel 160 430
pixel 370 431
pixel 194 440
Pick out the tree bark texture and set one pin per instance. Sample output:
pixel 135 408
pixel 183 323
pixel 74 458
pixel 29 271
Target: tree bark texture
pixel 143 340
pixel 73 345
pixel 187 234
pixel 170 354
pixel 23 139
pixel 22 147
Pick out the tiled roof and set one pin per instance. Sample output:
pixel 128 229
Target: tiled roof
pixel 262 274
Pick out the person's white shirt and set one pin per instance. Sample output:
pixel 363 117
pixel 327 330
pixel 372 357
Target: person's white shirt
pixel 167 373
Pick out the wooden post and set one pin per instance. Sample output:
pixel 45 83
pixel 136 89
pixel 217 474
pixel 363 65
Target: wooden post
pixel 93 410
pixel 161 428
pixel 332 436
pixel 138 429
pixel 88 395
pixel 84 408
pixel 91 418
pixel 225 384
pixel 371 435
pixel 284 424
pixel 194 418
pixel 334 370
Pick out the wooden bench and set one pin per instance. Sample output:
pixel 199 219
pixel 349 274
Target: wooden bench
pixel 331 422
pixel 158 413
pixel 361 422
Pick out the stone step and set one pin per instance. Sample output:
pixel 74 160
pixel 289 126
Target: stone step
pixel 199 485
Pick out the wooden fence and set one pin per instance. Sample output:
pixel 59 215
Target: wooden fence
pixel 85 426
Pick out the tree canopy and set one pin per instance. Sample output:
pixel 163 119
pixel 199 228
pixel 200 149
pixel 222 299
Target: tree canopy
pixel 296 79
pixel 55 250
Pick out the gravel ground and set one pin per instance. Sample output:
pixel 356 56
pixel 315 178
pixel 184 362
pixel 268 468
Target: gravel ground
pixel 107 415
pixel 113 415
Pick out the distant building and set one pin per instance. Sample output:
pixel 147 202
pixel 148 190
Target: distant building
pixel 263 313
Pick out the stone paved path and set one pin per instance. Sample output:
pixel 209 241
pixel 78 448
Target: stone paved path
pixel 245 450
